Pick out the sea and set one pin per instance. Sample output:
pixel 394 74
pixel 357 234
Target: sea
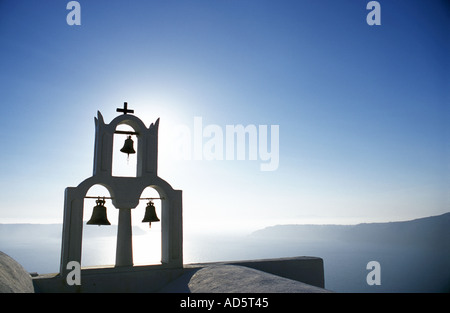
pixel 403 268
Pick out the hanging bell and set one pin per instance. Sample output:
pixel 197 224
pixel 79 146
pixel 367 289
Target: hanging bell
pixel 128 146
pixel 99 214
pixel 150 214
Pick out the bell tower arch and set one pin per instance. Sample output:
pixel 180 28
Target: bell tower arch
pixel 147 154
pixel 125 194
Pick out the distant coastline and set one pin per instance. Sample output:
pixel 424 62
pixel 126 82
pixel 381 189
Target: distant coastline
pixel 433 230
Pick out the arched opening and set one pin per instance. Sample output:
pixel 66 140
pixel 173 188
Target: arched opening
pixel 146 239
pixel 123 164
pixel 99 242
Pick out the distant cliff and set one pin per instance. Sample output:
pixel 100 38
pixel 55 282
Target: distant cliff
pixel 414 255
pixel 431 231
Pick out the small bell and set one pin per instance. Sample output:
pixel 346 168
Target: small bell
pixel 128 146
pixel 99 214
pixel 150 214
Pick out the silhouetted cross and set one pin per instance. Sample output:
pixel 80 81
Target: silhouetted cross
pixel 125 109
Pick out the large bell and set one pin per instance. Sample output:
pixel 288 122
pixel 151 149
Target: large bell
pixel 99 214
pixel 128 146
pixel 150 214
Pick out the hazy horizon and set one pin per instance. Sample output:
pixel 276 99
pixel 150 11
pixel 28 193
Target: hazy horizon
pixel 220 231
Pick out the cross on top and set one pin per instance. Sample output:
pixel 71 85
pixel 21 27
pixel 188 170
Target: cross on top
pixel 125 109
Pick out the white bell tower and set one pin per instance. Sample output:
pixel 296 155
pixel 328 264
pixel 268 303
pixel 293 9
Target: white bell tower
pixel 125 195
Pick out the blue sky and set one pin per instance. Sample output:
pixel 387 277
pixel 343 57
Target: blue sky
pixel 362 110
